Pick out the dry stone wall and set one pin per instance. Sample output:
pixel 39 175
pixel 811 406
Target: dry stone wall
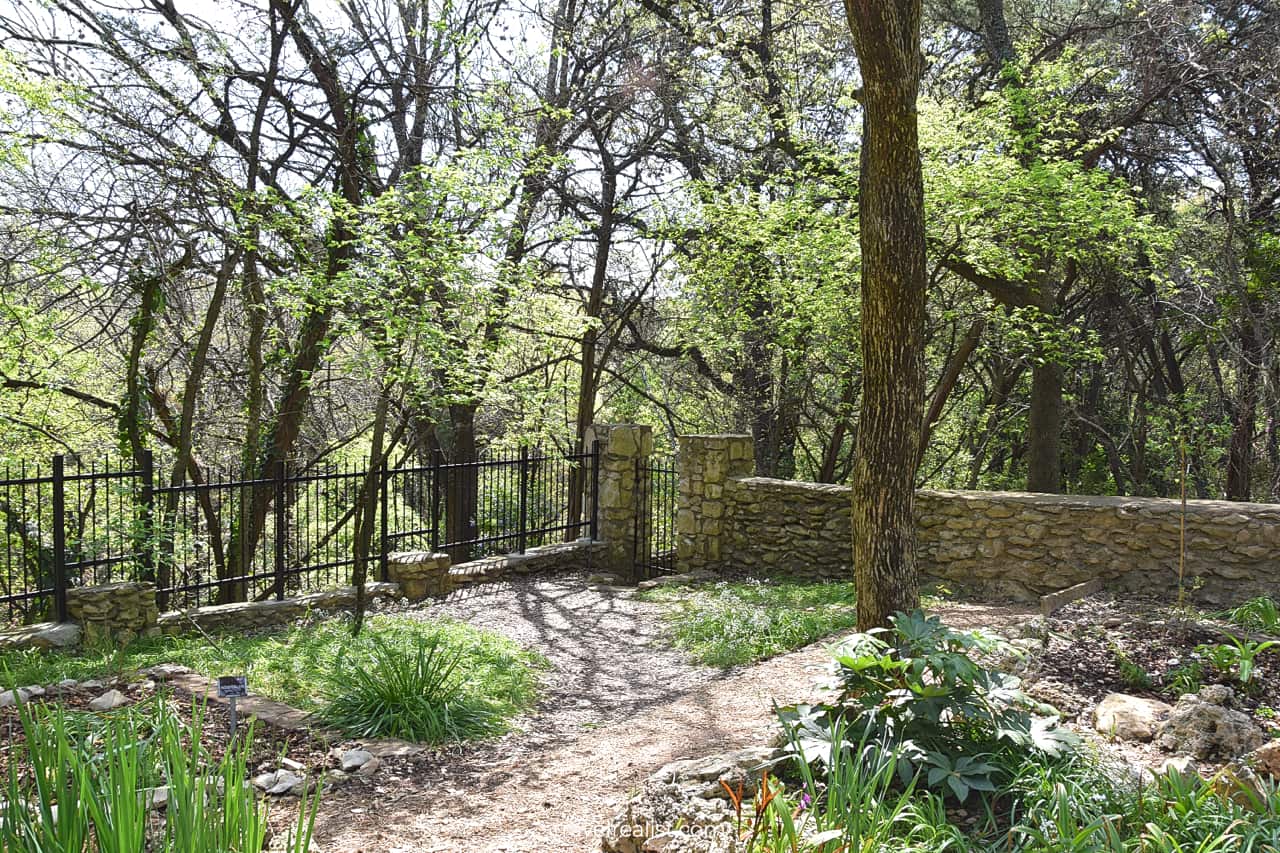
pixel 1013 544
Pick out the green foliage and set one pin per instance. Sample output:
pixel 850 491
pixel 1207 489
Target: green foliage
pixel 77 783
pixel 921 722
pixel 1237 657
pixel 298 664
pixel 919 689
pixel 1132 674
pixel 415 695
pixel 1185 678
pixel 1256 614
pixel 736 622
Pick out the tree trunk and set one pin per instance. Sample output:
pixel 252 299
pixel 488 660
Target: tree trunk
pixel 886 35
pixel 1244 410
pixel 1044 429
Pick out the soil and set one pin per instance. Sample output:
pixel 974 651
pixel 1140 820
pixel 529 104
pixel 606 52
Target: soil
pixel 1089 638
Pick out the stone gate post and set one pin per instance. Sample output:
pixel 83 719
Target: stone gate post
pixel 624 451
pixel 705 463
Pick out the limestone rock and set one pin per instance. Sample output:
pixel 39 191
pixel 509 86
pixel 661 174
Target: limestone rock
pixel 702 776
pixel 287 782
pixel 1180 765
pixel 156 798
pixel 355 759
pixel 1129 717
pixel 266 781
pixel 108 701
pixel 1205 726
pixel 165 671
pixel 1265 759
pixel 666 817
pixel 683 579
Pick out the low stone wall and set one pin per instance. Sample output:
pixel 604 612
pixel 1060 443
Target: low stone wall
pixel 251 615
pixel 1014 544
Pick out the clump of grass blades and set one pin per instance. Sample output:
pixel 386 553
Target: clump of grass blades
pixel 75 788
pixel 1256 614
pixel 414 694
pixel 739 622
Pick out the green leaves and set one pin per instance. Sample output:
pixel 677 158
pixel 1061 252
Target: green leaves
pixel 920 689
pixel 962 774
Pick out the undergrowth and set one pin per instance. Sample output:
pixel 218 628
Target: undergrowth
pixel 736 622
pixel 309 663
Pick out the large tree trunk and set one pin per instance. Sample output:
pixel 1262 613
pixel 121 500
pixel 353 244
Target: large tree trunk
pixel 886 36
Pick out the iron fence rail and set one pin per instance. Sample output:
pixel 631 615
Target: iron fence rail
pixel 227 539
pixel 654 539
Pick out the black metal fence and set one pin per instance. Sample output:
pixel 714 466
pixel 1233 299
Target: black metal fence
pixel 227 539
pixel 654 542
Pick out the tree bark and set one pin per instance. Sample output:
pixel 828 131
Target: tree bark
pixel 886 35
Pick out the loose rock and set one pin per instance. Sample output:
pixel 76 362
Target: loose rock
pixel 108 701
pixel 355 759
pixel 1129 717
pixel 1205 726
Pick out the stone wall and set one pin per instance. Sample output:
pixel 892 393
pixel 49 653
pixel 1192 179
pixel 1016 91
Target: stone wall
pixel 1013 544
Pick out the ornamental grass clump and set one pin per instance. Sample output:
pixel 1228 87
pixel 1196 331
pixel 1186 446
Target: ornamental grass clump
pixel 79 783
pixel 414 693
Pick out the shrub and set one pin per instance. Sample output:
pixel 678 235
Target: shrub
pixel 415 694
pixel 918 689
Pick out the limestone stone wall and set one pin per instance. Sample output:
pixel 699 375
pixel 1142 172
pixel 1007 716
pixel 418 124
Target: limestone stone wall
pixel 420 574
pixel 707 464
pixel 1016 544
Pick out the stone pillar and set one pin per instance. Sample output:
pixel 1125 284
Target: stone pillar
pixel 624 452
pixel 420 574
pixel 116 612
pixel 705 463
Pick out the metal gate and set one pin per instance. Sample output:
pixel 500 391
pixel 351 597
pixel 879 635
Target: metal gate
pixel 654 542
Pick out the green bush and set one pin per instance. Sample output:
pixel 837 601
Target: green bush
pixel 737 622
pixel 920 722
pixel 415 694
pixel 918 690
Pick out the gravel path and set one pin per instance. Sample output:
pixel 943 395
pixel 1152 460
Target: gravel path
pixel 617 705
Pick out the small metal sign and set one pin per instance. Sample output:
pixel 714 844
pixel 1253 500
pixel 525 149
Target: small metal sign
pixel 233 685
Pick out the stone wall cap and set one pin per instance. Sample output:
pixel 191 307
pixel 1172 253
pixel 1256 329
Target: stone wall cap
pixel 777 485
pixel 1107 501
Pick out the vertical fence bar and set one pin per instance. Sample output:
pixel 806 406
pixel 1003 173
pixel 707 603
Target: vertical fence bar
pixel 59 538
pixel 595 490
pixel 435 498
pixel 282 528
pixel 146 501
pixel 523 527
pixel 385 480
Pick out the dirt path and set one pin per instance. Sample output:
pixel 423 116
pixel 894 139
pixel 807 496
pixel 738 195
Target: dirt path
pixel 617 707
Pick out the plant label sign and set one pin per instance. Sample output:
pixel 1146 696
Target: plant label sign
pixel 231 686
